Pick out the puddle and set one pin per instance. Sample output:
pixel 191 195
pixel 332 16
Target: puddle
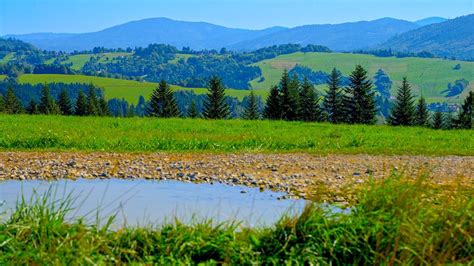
pixel 145 202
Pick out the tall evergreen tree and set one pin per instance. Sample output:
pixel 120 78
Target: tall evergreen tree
pixel 403 111
pixel 131 111
pixel 466 114
pixel 422 116
pixel 273 105
pixel 92 107
pixel 193 111
pixel 359 101
pixel 438 120
pixel 103 107
pixel 11 104
pixel 162 102
pixel 289 96
pixel 251 110
pixel 32 108
pixel 64 103
pixel 47 103
pixel 310 110
pixel 81 104
pixel 333 105
pixel 215 106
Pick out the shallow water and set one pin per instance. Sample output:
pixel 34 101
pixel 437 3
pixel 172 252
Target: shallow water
pixel 145 202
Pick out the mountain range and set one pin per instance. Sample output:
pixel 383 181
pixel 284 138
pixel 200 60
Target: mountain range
pixel 437 35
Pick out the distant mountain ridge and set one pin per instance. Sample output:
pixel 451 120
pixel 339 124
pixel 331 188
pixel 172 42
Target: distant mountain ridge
pixel 202 35
pixel 451 38
pixel 430 20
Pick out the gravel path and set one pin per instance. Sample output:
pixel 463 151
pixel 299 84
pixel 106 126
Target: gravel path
pixel 296 174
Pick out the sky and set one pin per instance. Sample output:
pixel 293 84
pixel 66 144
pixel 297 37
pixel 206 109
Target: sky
pixel 75 16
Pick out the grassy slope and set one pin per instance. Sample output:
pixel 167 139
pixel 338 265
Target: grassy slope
pixel 79 60
pixel 430 76
pixel 118 88
pixel 149 135
pixel 7 58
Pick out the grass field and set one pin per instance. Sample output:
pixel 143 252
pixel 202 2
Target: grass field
pixel 396 221
pixel 7 58
pixel 79 60
pixel 428 76
pixel 23 132
pixel 119 88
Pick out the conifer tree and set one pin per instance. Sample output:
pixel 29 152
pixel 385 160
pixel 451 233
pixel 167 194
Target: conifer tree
pixel 47 103
pixel 64 103
pixel 403 111
pixel 81 104
pixel 438 120
pixel 466 114
pixel 11 104
pixel 162 102
pixel 359 101
pixel 193 111
pixel 251 110
pixel 2 104
pixel 103 107
pixel 310 110
pixel 131 111
pixel 333 105
pixel 422 116
pixel 32 108
pixel 273 105
pixel 289 96
pixel 215 106
pixel 92 107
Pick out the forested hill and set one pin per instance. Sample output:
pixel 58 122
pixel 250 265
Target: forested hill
pixel 452 38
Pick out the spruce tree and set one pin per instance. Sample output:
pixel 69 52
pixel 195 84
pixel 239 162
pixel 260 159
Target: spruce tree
pixel 81 104
pixel 466 115
pixel 103 107
pixel 289 97
pixel 333 105
pixel 273 105
pixel 310 110
pixel 193 111
pixel 359 101
pixel 251 110
pixel 92 107
pixel 162 102
pixel 64 103
pixel 32 108
pixel 215 106
pixel 47 103
pixel 438 120
pixel 403 111
pixel 2 104
pixel 422 116
pixel 11 104
pixel 130 112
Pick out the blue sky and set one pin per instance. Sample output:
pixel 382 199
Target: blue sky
pixel 26 16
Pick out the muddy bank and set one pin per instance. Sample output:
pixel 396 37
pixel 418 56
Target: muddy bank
pixel 296 174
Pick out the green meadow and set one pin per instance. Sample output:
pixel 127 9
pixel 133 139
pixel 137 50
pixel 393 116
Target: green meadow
pixel 129 90
pixel 62 133
pixel 427 76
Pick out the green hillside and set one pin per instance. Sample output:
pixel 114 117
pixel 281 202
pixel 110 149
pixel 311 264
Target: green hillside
pixel 79 60
pixel 429 76
pixel 118 88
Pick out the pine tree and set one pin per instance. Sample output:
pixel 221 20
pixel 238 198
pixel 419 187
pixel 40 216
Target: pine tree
pixel 422 116
pixel 81 104
pixel 11 104
pixel 92 107
pixel 47 103
pixel 2 105
pixel 438 120
pixel 310 110
pixel 162 102
pixel 333 105
pixel 64 103
pixel 103 107
pixel 273 105
pixel 32 108
pixel 403 111
pixel 289 97
pixel 131 111
pixel 193 111
pixel 215 106
pixel 466 115
pixel 359 101
pixel 251 110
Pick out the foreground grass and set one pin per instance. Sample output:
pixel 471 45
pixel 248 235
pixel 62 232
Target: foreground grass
pixel 396 221
pixel 61 133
